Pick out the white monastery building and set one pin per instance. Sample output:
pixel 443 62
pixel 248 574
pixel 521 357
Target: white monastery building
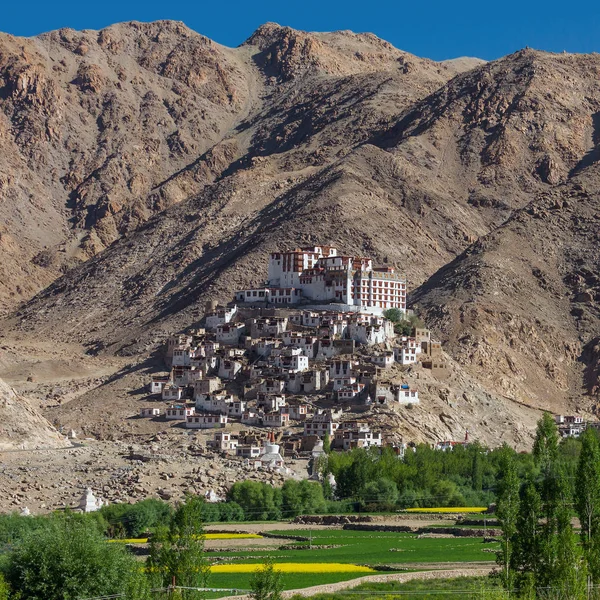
pixel 319 274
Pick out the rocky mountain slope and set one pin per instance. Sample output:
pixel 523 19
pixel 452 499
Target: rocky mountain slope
pixel 520 309
pixel 22 427
pixel 157 169
pixel 101 130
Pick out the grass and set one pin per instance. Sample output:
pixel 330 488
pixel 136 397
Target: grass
pixel 465 588
pixel 370 548
pixel 291 581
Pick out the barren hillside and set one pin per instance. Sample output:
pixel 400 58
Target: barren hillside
pixel 157 169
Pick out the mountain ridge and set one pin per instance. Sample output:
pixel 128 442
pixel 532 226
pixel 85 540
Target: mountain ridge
pixel 298 138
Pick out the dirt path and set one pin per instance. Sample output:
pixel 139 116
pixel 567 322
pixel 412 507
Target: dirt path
pixel 464 571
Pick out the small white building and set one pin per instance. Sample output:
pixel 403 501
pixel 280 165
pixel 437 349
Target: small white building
pixel 384 360
pixel 223 441
pixel 179 412
pixel 157 383
pixel 350 392
pixel 230 333
pixel 206 421
pixel 150 412
pixel 228 369
pixel 276 419
pixel 247 451
pixel 221 316
pixel 172 392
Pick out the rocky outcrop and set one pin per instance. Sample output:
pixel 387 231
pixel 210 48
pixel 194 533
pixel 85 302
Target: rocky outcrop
pixel 23 428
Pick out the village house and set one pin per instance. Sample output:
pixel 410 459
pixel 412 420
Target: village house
pixel 150 412
pixel 352 392
pixel 407 353
pixel 272 386
pixel 265 346
pixel 177 341
pixel 218 402
pixel 347 439
pixel 206 386
pixel 387 392
pixel 268 327
pixel 179 412
pixel 298 412
pixel 570 426
pixel 248 451
pixel 184 376
pixel 384 360
pixel 308 381
pixel 321 424
pixel 205 421
pixel 251 417
pixel 172 392
pixel 228 369
pixel 223 441
pixel 342 368
pixel 230 333
pixel 270 402
pixel 182 357
pixel 276 419
pixel 221 316
pixel 157 383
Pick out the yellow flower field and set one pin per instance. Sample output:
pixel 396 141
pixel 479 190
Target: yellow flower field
pixel 207 536
pixel 294 568
pixel 449 509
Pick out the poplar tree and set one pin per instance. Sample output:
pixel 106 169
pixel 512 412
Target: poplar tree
pixel 507 512
pixel 525 557
pixel 587 501
pixel 177 553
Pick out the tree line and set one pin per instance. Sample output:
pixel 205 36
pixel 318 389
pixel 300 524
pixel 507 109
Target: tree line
pixel 541 554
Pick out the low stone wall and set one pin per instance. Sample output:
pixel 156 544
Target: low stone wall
pixel 453 531
pixel 331 519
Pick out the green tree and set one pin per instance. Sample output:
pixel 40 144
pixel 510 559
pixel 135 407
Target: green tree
pixel 327 443
pixel 177 553
pixel 507 513
pixel 69 559
pixel 259 501
pixel 587 500
pixel 395 315
pixel 525 557
pixel 266 583
pixel 545 446
pixel 381 491
pixel 4 588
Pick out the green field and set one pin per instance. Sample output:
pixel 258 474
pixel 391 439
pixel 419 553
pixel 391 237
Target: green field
pixel 397 551
pixel 373 548
pixel 291 581
pixel 465 588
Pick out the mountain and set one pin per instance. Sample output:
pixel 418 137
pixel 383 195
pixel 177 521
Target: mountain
pixel 520 308
pixel 174 165
pixel 99 131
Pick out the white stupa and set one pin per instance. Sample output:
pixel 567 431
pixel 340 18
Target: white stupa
pixel 271 457
pixel 89 502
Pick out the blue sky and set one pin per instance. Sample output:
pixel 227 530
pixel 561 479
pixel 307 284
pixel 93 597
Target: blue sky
pixel 435 29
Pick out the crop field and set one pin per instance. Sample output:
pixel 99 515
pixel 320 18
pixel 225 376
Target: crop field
pixel 466 588
pixel 372 548
pixel 334 555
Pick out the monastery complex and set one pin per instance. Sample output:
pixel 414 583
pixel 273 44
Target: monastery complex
pixel 320 275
